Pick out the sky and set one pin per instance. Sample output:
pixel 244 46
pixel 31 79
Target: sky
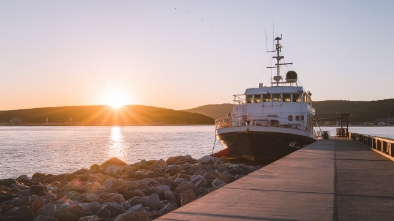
pixel 184 54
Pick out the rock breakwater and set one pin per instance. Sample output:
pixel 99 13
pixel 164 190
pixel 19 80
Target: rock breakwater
pixel 116 191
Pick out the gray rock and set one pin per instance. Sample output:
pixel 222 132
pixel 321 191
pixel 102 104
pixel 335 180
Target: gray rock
pixel 112 169
pixel 226 177
pixel 93 206
pixel 118 198
pixel 67 216
pixel 178 181
pixel 202 183
pixel 89 218
pixel 126 205
pixel 187 196
pixel 21 201
pixel 173 169
pixel 95 168
pixel 186 185
pixel 139 200
pixel 168 208
pixel 77 209
pixel 148 181
pixel 208 159
pixel 104 214
pixel 6 197
pixel 160 164
pixel 93 187
pixel 134 193
pixel 109 183
pixel 154 202
pixel 45 218
pixel 37 204
pixel 114 208
pixel 25 192
pixel 196 178
pixel 47 210
pixel 138 215
pixel 135 208
pixel 201 191
pixel 209 175
pixel 90 197
pixel 159 190
pixel 113 161
pixel 19 213
pixel 170 196
pixel 218 183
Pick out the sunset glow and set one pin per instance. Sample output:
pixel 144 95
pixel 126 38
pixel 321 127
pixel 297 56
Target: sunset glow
pixel 116 100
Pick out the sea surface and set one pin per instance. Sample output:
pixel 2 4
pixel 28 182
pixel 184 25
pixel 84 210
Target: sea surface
pixel 64 149
pixel 386 131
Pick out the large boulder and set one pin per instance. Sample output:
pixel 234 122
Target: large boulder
pixel 114 208
pixel 181 160
pixel 138 215
pixel 19 213
pixel 208 159
pixel 186 185
pixel 170 196
pixel 139 200
pixel 167 208
pixel 114 161
pixel 154 202
pixel 47 210
pixel 159 190
pixel 218 183
pixel 187 196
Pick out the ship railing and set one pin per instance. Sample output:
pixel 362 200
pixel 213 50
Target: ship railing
pixel 250 120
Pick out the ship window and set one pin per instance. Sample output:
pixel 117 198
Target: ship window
pixel 276 97
pixel 297 118
pixel 257 98
pixel 286 97
pixel 290 117
pixel 266 97
pixel 296 98
pixel 302 117
pixel 249 98
pixel 274 122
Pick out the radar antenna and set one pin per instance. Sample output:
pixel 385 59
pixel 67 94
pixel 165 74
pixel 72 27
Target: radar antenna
pixel 278 57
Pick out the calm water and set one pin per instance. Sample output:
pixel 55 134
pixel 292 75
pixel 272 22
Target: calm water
pixel 26 150
pixel 387 132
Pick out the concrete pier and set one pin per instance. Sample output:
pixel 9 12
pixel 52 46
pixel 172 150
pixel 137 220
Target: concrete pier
pixel 327 180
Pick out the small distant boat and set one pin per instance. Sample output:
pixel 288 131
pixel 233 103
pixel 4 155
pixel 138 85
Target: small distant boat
pixel 269 122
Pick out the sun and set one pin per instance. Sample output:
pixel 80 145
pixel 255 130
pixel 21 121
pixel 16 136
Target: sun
pixel 116 100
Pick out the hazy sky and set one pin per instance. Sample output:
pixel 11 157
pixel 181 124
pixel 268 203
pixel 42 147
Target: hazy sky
pixel 183 54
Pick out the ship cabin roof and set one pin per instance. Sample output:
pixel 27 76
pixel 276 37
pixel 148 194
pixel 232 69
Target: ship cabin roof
pixel 273 90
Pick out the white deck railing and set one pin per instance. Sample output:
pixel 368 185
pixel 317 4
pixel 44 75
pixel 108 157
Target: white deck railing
pixel 263 121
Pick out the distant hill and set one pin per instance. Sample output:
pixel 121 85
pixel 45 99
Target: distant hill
pixel 104 115
pixel 213 110
pixel 360 111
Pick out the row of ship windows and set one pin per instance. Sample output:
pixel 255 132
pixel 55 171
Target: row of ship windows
pixel 276 98
pixel 290 118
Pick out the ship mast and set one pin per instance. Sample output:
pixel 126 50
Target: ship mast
pixel 278 57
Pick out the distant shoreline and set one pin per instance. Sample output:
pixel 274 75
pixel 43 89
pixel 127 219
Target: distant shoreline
pixel 96 125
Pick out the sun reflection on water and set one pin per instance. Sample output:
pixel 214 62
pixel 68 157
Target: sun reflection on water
pixel 116 147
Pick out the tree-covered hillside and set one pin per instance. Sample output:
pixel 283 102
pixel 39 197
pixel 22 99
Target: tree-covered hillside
pixel 360 111
pixel 104 115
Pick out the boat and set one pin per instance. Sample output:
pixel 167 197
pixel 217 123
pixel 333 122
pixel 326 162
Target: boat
pixel 268 122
